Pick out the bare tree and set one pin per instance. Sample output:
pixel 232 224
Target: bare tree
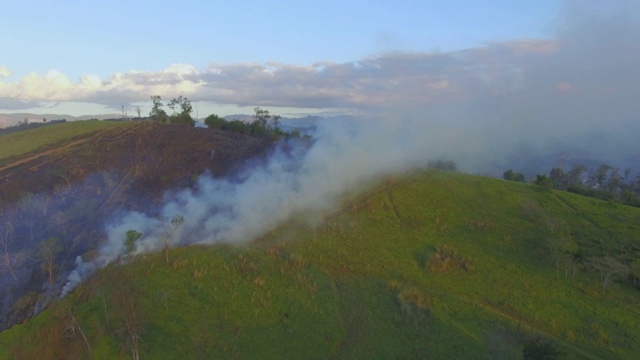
pixel 66 175
pixel 170 232
pixel 42 203
pixel 9 261
pixel 47 252
pixel 608 267
pixel 61 192
pixel 61 221
pixel 128 308
pixel 138 111
pixel 73 327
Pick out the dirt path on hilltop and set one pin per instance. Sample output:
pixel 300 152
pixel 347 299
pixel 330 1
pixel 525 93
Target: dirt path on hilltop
pixel 73 143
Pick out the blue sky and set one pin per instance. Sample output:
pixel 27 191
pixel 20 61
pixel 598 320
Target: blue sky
pixel 295 57
pixel 104 38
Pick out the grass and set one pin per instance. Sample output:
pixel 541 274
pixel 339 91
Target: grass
pixel 29 141
pixel 429 265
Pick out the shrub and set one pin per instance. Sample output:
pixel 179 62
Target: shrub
pixel 446 258
pixel 543 182
pixel 511 175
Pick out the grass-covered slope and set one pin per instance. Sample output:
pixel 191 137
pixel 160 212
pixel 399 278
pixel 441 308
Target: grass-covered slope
pixel 24 142
pixel 432 265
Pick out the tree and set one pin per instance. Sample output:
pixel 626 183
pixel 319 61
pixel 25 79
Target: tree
pixel 558 179
pixel 130 242
pixel 66 312
pixel 181 107
pixel 138 111
pixel 575 176
pixel 170 232
pixel 615 182
pixel 608 267
pixel 598 177
pixel 241 127
pixel 627 175
pixel 543 182
pixel 446 165
pixel 564 249
pixel 214 121
pixel 9 261
pixel 157 113
pixel 275 122
pixel 125 296
pixel 511 175
pixel 261 117
pixel 47 252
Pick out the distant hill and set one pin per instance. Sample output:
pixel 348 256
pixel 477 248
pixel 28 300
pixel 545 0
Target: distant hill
pixel 7 120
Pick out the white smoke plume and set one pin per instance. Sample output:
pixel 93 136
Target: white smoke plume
pixel 296 179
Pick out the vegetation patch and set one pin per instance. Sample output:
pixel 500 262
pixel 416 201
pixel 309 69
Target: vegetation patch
pixel 447 258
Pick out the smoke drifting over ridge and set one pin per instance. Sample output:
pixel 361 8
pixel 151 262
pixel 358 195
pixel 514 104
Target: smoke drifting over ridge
pixel 296 179
pixel 508 104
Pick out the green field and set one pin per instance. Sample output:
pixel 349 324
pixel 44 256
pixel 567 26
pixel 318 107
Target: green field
pixel 28 141
pixel 433 265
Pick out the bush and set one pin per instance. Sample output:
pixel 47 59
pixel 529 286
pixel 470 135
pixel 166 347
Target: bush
pixel 446 258
pixel 544 183
pixel 214 121
pixel 537 349
pixel 511 175
pixel 446 165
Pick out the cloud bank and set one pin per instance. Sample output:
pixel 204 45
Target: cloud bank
pixel 587 71
pixel 567 97
pixel 592 55
pixel 391 79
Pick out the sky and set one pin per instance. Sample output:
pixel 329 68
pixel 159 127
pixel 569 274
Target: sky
pixel 80 57
pixel 549 77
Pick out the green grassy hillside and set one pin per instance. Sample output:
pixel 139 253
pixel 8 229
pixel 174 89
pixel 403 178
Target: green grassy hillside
pixel 429 265
pixel 24 142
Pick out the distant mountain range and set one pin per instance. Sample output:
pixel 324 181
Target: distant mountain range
pixel 7 120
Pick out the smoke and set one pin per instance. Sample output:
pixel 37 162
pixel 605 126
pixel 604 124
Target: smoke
pixel 510 104
pixel 298 178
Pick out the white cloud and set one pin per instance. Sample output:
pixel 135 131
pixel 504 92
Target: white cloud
pixel 4 72
pixel 526 68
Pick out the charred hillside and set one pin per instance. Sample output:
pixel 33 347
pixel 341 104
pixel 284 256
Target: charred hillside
pixel 150 156
pixel 67 192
